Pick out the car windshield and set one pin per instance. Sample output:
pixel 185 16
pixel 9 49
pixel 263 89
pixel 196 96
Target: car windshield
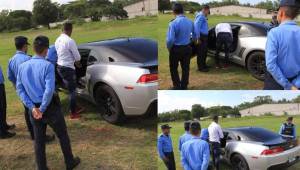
pixel 137 51
pixel 258 135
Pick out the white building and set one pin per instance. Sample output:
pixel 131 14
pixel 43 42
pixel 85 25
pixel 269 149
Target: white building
pixel 142 8
pixel 275 109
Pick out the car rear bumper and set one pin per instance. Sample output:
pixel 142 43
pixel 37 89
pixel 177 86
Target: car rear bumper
pixel 285 165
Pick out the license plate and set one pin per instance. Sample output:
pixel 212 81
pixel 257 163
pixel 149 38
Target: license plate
pixel 292 160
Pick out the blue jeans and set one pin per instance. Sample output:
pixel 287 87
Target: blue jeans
pixel 68 76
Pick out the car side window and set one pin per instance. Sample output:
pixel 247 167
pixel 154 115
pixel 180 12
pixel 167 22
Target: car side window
pixel 244 31
pixel 93 57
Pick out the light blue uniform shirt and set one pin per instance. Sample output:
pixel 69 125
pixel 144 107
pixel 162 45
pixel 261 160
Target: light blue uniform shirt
pixel 185 137
pixel 200 25
pixel 282 128
pixel 1 76
pixel 52 55
pixel 195 154
pixel 180 31
pixel 36 82
pixel 13 65
pixel 283 54
pixel 204 134
pixel 164 145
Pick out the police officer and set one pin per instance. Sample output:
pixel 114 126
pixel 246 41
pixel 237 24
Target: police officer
pixel 21 44
pixel 283 49
pixel 186 136
pixel 165 147
pixel 224 39
pixel 195 152
pixel 274 21
pixel 4 127
pixel 204 135
pixel 52 57
pixel 178 44
pixel 288 129
pixel 201 35
pixel 36 88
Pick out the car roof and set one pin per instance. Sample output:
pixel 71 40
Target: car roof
pixel 241 129
pixel 114 41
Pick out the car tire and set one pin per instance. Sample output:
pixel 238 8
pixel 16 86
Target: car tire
pixel 109 104
pixel 238 162
pixel 256 65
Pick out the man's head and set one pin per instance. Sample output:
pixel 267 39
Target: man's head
pixel 21 43
pixel 41 45
pixel 289 120
pixel 195 128
pixel 288 10
pixel 165 129
pixel 206 10
pixel 216 118
pixel 187 125
pixel 177 9
pixel 68 28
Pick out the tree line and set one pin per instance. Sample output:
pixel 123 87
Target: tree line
pixel 198 111
pixel 192 7
pixel 45 12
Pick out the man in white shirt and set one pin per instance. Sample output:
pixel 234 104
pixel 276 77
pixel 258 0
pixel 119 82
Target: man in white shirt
pixel 224 38
pixel 215 135
pixel 68 57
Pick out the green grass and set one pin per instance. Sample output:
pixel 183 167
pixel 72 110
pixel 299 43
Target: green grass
pixel 269 122
pixel 236 77
pixel 99 144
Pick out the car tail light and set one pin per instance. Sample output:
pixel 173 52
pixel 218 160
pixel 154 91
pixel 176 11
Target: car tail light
pixel 148 78
pixel 272 151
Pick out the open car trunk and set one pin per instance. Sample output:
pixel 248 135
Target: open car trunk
pixel 212 38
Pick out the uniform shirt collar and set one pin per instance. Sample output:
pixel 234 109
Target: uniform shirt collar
pixel 180 15
pixel 20 52
pixel 289 22
pixel 196 137
pixel 38 57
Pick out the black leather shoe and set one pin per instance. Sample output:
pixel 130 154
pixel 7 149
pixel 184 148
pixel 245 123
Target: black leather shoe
pixel 50 138
pixel 10 127
pixel 7 135
pixel 76 162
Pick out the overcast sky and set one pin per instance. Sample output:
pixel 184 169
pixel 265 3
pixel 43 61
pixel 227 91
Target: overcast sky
pixel 27 4
pixel 171 100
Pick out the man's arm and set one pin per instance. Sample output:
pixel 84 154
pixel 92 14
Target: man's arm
pixel 281 129
pixel 184 161
pixel 10 75
pixel 160 149
pixel 22 94
pixel 221 135
pixel 271 62
pixel 170 36
pixel 180 144
pixel 197 26
pixel 49 88
pixel 74 50
pixel 205 157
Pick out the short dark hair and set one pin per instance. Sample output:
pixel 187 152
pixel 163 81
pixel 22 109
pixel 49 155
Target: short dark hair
pixel 205 7
pixel 195 127
pixel 68 26
pixel 187 125
pixel 215 118
pixel 40 44
pixel 289 119
pixel 290 11
pixel 177 8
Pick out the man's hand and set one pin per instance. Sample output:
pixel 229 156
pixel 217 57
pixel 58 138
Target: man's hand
pixel 294 88
pixel 37 114
pixel 78 64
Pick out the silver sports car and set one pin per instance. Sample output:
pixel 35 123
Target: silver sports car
pixel 248 48
pixel 254 148
pixel 120 76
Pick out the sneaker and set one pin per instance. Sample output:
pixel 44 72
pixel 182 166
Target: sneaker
pixel 10 127
pixel 74 116
pixel 50 138
pixel 226 66
pixel 76 162
pixel 7 135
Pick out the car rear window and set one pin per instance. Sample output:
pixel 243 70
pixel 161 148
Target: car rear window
pixel 258 135
pixel 137 51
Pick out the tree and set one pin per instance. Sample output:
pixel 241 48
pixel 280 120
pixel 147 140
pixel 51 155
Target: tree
pixel 164 5
pixel 45 12
pixel 198 111
pixel 20 19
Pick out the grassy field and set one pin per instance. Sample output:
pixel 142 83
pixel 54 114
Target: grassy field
pixel 269 122
pixel 99 144
pixel 236 77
